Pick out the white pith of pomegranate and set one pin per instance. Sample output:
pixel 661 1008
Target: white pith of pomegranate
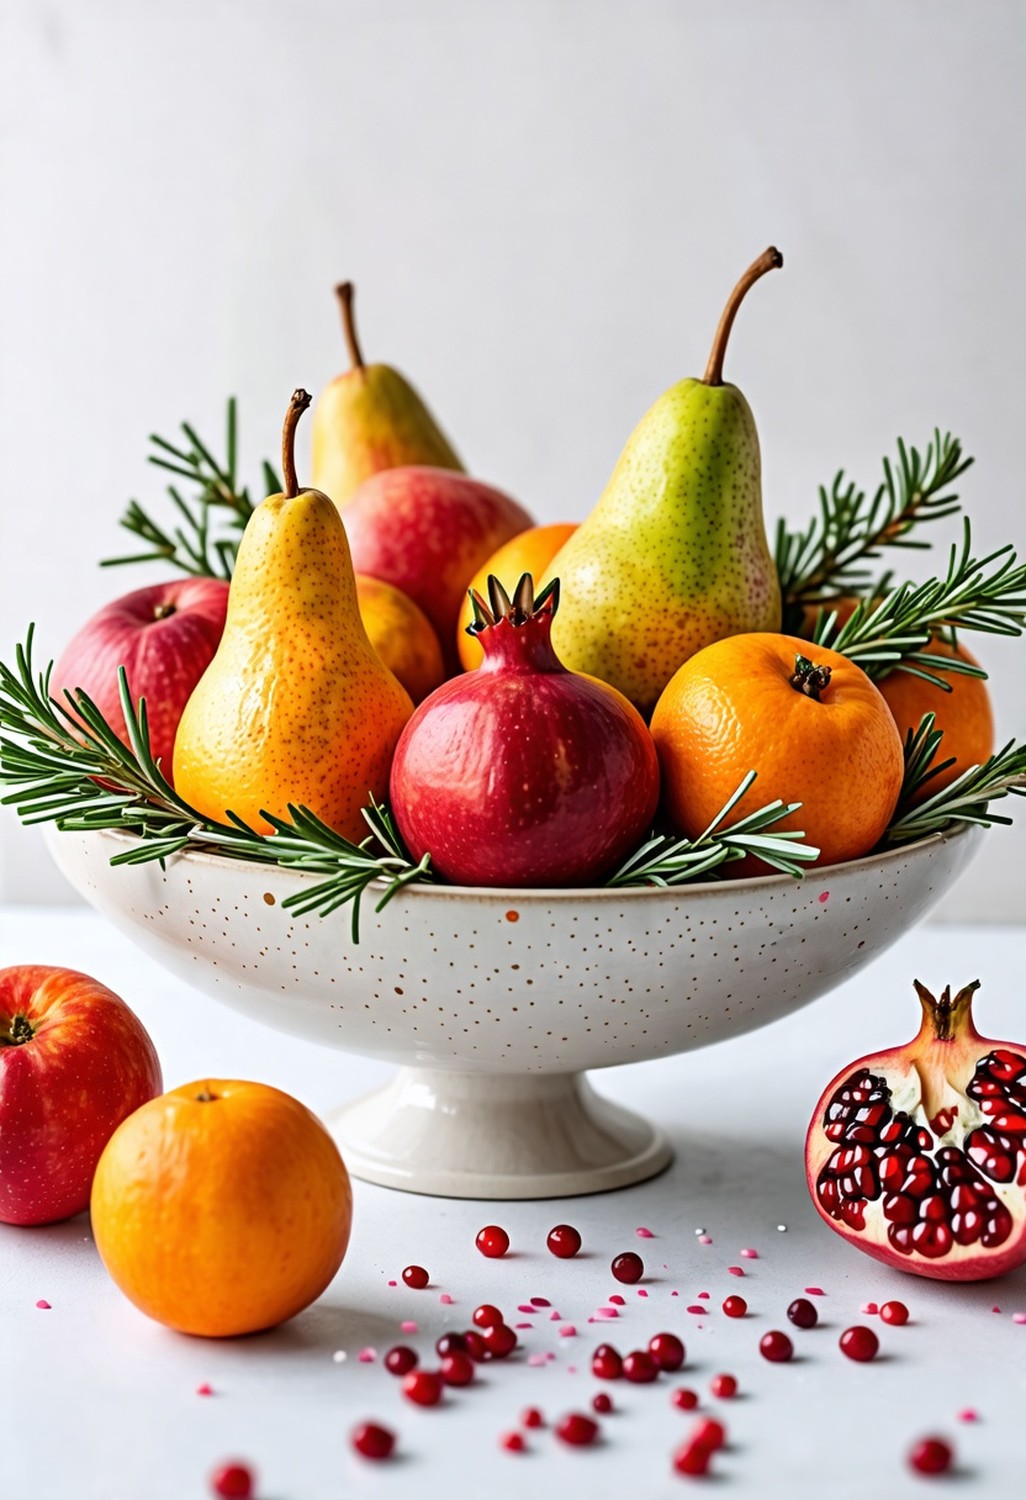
pixel 917 1155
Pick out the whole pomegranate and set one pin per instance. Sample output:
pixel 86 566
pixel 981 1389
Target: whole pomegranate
pixel 917 1155
pixel 523 773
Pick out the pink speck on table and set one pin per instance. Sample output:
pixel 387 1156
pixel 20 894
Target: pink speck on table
pixel 749 1254
pixel 407 1326
pixel 643 1233
pixel 736 1270
pixel 43 1304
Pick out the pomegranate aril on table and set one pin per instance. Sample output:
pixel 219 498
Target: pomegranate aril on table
pixel 532 1417
pixel 416 1277
pixel 233 1481
pixel 373 1441
pixel 684 1399
pixel 564 1241
pixel 457 1368
pixel 476 1346
pixel 401 1360
pixel 735 1307
pixel 895 1313
pixel 606 1363
pixel 602 1402
pixel 860 1344
pixel 451 1343
pixel 640 1367
pixel 802 1313
pixel 628 1267
pixel 776 1347
pixel 486 1316
pixel 492 1241
pixel 723 1386
pixel 667 1351
pixel 423 1387
pixel 931 1456
pixel 577 1429
pixel 513 1442
pixel 499 1341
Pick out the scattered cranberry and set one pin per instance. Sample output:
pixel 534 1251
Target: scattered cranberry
pixel 451 1343
pixel 513 1442
pixel 499 1341
pixel 667 1351
pixel 802 1313
pixel 564 1241
pixel 723 1386
pixel 423 1387
pixel 859 1343
pixel 735 1307
pixel 373 1441
pixel 486 1316
pixel 684 1399
pixel 401 1360
pixel 640 1367
pixel 602 1403
pixel 492 1241
pixel 532 1417
pixel 628 1267
pixel 476 1346
pixel 692 1458
pixel 931 1456
pixel 606 1363
pixel 232 1482
pixel 417 1277
pixel 776 1347
pixel 709 1433
pixel 894 1312
pixel 457 1368
pixel 577 1429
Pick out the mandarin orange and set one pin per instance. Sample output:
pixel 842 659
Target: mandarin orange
pixel 530 552
pixel 820 734
pixel 402 635
pixel 221 1208
pixel 964 715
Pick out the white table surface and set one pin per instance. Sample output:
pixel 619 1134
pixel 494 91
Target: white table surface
pixel 101 1404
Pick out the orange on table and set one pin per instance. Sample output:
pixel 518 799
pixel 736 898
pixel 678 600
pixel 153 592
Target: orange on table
pixel 402 635
pixel 221 1208
pixel 965 714
pixel 740 705
pixel 530 552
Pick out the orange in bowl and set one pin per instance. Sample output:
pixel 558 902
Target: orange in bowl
pixel 530 552
pixel 401 634
pixel 964 715
pixel 221 1208
pixel 820 734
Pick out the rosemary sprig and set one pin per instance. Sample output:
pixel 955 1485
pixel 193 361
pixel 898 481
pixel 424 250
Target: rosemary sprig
pixel 668 861
pixel 829 557
pixel 986 594
pixel 203 538
pixel 964 800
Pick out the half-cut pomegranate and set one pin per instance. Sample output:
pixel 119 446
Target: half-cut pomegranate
pixel 917 1155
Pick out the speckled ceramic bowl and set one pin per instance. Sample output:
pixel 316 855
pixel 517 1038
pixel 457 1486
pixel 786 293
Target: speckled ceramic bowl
pixel 494 1002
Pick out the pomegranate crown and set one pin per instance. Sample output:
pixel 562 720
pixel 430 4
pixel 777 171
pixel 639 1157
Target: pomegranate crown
pixel 522 607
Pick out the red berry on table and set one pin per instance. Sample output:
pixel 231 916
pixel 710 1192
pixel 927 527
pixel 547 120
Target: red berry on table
pixel 499 1341
pixel 457 1368
pixel 451 1343
pixel 602 1403
pixel 416 1277
pixel 232 1482
pixel 723 1386
pixel 606 1363
pixel 735 1307
pixel 513 1442
pixel 640 1367
pixel 802 1313
pixel 476 1346
pixel 373 1441
pixel 776 1347
pixel 423 1387
pixel 684 1399
pixel 492 1241
pixel 709 1433
pixel 628 1267
pixel 400 1360
pixel 577 1429
pixel 667 1351
pixel 486 1316
pixel 895 1313
pixel 564 1241
pixel 931 1456
pixel 532 1417
pixel 861 1344
pixel 692 1458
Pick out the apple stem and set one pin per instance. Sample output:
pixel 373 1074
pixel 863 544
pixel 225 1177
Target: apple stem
pixel 18 1033
pixel 297 406
pixel 346 292
pixel 769 260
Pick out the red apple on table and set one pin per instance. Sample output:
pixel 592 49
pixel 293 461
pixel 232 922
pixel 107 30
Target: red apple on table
pixel 427 531
pixel 74 1063
pixel 164 636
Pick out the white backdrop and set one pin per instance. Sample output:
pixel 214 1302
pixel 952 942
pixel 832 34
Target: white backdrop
pixel 544 205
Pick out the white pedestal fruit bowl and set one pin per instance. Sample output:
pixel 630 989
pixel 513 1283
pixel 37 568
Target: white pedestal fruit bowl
pixel 495 1003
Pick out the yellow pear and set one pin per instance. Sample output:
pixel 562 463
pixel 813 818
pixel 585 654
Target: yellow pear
pixel 296 706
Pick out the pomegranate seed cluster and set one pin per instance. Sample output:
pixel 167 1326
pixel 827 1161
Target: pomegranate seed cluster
pixel 932 1200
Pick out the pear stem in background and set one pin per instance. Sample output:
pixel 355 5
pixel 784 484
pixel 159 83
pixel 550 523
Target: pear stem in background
pixel 769 260
pixel 297 406
pixel 345 292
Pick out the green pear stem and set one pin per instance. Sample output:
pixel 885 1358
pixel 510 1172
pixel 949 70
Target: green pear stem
pixel 297 406
pixel 769 260
pixel 346 292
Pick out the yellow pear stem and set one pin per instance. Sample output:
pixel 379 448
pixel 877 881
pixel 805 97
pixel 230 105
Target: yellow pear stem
pixel 297 406
pixel 346 292
pixel 769 260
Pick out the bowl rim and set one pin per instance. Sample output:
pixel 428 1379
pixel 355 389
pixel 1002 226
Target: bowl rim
pixel 521 894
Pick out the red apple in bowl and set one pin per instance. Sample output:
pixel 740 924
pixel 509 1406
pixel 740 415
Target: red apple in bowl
pixel 427 531
pixel 164 636
pixel 74 1063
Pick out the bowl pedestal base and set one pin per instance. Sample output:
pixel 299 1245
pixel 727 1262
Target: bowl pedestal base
pixel 498 1136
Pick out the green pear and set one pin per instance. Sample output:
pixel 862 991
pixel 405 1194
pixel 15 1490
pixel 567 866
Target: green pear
pixel 674 555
